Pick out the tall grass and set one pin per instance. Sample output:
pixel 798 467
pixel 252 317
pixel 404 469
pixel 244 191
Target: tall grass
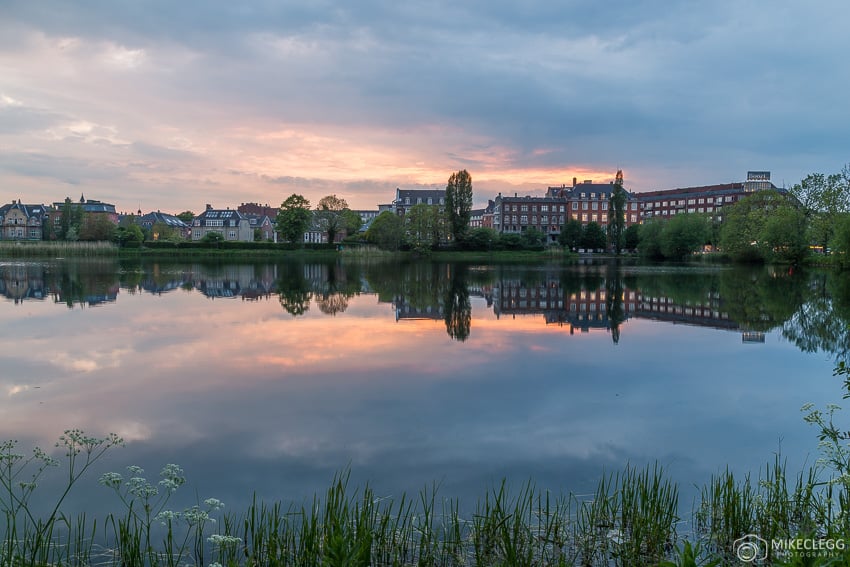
pixel 56 249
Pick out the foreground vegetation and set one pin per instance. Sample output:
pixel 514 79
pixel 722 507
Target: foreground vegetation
pixel 631 519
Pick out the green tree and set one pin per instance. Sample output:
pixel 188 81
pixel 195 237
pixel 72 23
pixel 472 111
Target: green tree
pixel 95 226
pixel 423 227
pixel 631 237
pixel 459 203
pixel 747 236
pixel 570 236
pixel 823 198
pixel 352 221
pixel 386 231
pixel 186 216
pixel 593 237
pixel 128 236
pixel 331 216
pixel 214 238
pixel 294 218
pixel 71 220
pixel 683 235
pixel 784 235
pixel 533 238
pixel 481 238
pixel 617 214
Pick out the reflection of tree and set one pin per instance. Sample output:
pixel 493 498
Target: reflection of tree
pixel 614 300
pixel 293 289
pixel 456 305
pixel 332 304
pixel 761 299
pixel 822 323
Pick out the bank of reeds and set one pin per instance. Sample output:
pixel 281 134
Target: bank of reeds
pixel 56 249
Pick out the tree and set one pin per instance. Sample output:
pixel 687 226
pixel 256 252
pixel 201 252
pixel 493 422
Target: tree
pixel 128 236
pixel 747 236
pixel 386 231
pixel 631 237
pixel 593 237
pixel 481 238
pixel 96 227
pixel 213 238
pixel 683 235
pixel 617 214
pixel 533 238
pixel 352 221
pixel 423 227
pixel 649 238
pixel 459 203
pixel 186 216
pixel 294 217
pixel 822 198
pixel 570 236
pixel 331 217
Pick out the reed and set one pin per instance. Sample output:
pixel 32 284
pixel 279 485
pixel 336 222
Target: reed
pixel 56 249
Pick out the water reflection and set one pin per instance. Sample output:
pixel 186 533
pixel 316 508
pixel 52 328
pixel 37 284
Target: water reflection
pixel 812 310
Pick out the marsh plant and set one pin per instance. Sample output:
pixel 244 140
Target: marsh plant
pixel 28 539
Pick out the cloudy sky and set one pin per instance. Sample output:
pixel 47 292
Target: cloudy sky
pixel 168 105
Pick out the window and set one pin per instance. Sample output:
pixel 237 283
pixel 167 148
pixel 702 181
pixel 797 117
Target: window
pixel 584 217
pixel 604 205
pixel 231 234
pixel 592 195
pixel 594 217
pixel 665 204
pixel 544 219
pixel 533 208
pixel 634 206
pixel 524 208
pixel 594 205
pixel 691 201
pixel 633 218
pixel 544 208
pixel 700 201
pixel 196 235
pixel 582 195
pixel 562 208
pixel 575 205
pixel 523 219
pixel 418 200
pixel 584 205
pixel 729 199
pixel 407 200
pixel 430 201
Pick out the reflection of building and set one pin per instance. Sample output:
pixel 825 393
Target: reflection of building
pixel 246 281
pixel 584 309
pixel 706 313
pixel 22 281
pixel 752 337
pixel 404 310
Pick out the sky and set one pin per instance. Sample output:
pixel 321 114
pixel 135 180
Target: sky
pixel 163 105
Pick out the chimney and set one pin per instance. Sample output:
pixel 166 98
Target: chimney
pixel 209 207
pixel 575 181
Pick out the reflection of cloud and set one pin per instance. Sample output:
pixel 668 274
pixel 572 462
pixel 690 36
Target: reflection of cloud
pixel 91 361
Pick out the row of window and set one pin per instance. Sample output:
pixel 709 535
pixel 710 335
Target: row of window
pixel 525 208
pixel 700 201
pixel 419 201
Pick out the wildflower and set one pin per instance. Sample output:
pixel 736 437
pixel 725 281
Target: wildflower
pixel 214 503
pixel 224 540
pixel 111 479
pixel 167 516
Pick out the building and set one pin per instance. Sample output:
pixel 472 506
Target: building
pixel 585 202
pixel 407 198
pixel 232 225
pixel 709 199
pixel 157 219
pixel 86 206
pixel 257 210
pixel 22 222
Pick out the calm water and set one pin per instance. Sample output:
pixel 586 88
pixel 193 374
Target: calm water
pixel 272 377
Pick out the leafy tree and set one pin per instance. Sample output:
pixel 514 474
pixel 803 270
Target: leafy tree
pixel 481 238
pixel 683 235
pixel 352 221
pixel 213 238
pixel 631 237
pixel 747 234
pixel 533 238
pixel 840 242
pixel 96 227
pixel 128 236
pixel 822 198
pixel 570 236
pixel 165 233
pixel 293 289
pixel 617 214
pixel 459 203
pixel 186 216
pixel 71 220
pixel 331 217
pixel 509 241
pixel 422 227
pixel 386 231
pixel 294 217
pixel 593 237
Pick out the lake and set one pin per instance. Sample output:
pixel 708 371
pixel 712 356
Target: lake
pixel 269 378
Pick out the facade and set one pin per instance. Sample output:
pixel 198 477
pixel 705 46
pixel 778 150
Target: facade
pixel 257 210
pixel 585 202
pixel 22 222
pixel 407 198
pixel 232 225
pixel 150 220
pixel 264 224
pixel 88 206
